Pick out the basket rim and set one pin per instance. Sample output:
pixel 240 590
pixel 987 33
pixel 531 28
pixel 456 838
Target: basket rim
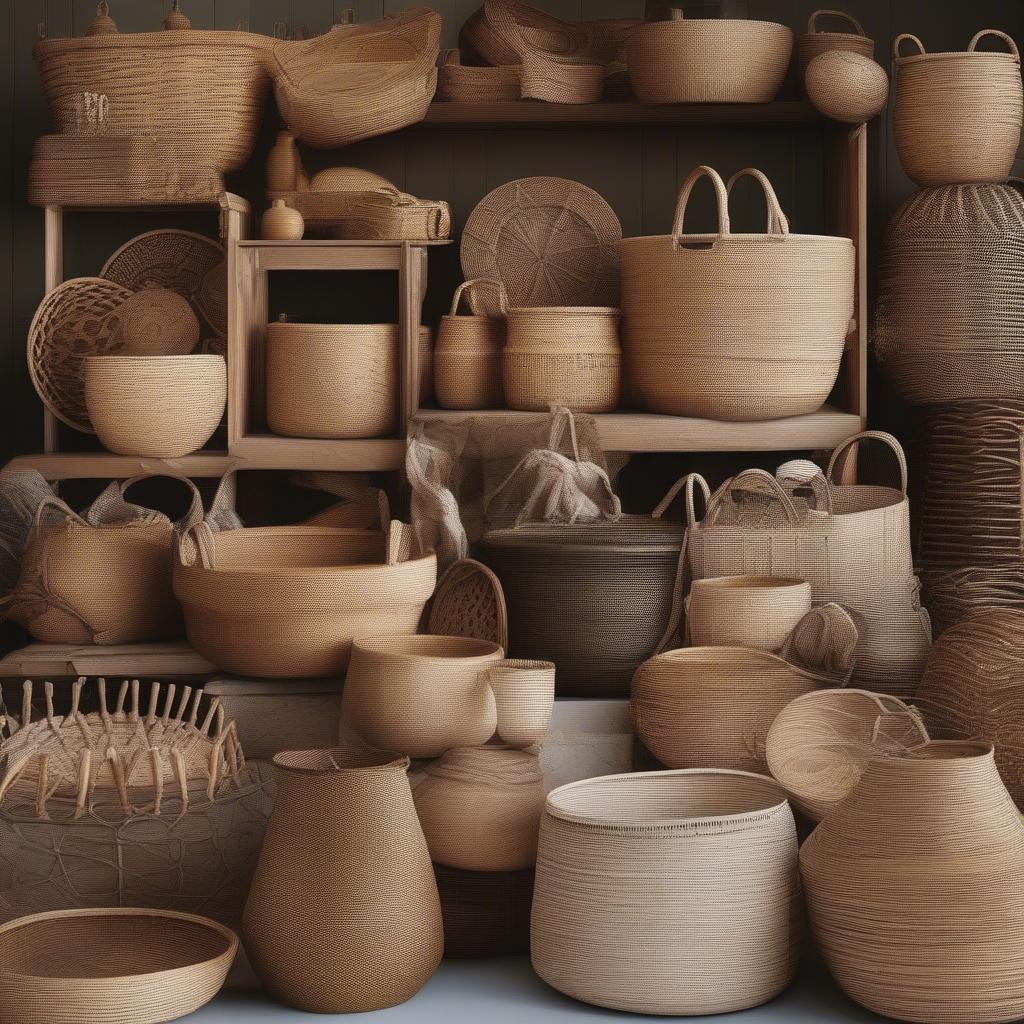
pixel 404 647
pixel 702 237
pixel 956 55
pixel 162 38
pixel 729 656
pixel 747 23
pixel 752 581
pixel 134 360
pixel 375 760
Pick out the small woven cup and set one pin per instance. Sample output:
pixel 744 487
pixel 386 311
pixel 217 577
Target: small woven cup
pixel 524 695
pixel 746 611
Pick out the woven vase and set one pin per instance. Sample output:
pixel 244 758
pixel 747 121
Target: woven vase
pixel 524 698
pixel 343 915
pixel 915 888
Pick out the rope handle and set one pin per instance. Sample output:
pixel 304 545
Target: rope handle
pixel 778 222
pixel 900 39
pixel 978 36
pixel 848 448
pixel 113 497
pixel 197 545
pixel 754 481
pixel 824 629
pixel 688 482
pixel 722 196
pixel 52 501
pixel 812 22
pixel 467 287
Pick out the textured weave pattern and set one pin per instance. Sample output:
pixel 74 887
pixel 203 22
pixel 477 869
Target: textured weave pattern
pixel 459 83
pixel 486 913
pixel 469 602
pixel 158 322
pixel 745 611
pixel 846 86
pixel 524 697
pixel 815 41
pixel 955 594
pixel 467 357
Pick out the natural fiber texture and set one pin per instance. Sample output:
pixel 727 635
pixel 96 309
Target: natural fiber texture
pixel 549 241
pixel 846 86
pixel 562 356
pixel 467 356
pixel 469 602
pixel 558 81
pixel 420 695
pixel 161 407
pixel 745 611
pixel 111 966
pixel 157 322
pixel 524 697
pixel 463 83
pixel 668 892
pixel 708 60
pixel 21 493
pixel 480 808
pixel 358 81
pixel 949 325
pixel 954 595
pixel 914 888
pixel 486 913
pixel 820 744
pixel 343 916
pixel 816 41
pixel 687 313
pixel 957 116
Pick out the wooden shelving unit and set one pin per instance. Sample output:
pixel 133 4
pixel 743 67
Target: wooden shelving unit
pixel 108 466
pixel 68 661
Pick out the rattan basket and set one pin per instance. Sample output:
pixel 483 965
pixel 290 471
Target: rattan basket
pixel 745 611
pixel 952 595
pixel 464 83
pixel 467 356
pixel 815 42
pixel 846 86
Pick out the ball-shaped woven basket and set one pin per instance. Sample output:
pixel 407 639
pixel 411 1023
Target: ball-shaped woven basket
pixel 846 86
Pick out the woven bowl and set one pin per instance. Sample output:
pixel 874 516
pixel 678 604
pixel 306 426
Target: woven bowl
pixel 746 611
pixel 111 966
pixel 160 407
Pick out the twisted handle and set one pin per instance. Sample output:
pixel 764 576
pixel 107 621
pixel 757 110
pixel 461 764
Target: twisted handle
pixel 900 39
pixel 848 448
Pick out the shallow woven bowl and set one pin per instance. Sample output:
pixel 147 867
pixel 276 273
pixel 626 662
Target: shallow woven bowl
pixel 155 406
pixel 111 966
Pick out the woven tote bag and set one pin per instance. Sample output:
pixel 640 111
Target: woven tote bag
pixel 851 542
pixel 668 892
pixel 467 356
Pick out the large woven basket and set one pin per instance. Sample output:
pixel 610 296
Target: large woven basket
pixel 815 41
pixel 688 302
pixel 957 116
pixel 467 356
pixel 668 892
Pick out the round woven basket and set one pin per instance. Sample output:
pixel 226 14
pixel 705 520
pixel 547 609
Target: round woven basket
pixel 463 83
pixel 846 86
pixel 467 356
pixel 746 611
pixel 957 116
pixel 486 913
pixel 524 696
pixel 668 892
pixel 557 81
pixel 158 322
pixel 814 41
pixel 160 407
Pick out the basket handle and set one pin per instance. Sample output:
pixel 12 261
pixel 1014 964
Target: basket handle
pixel 688 482
pixel 684 198
pixel 812 22
pixel 848 448
pixel 467 288
pixel 778 222
pixel 51 501
pixel 754 481
pixel 898 41
pixel 824 642
pixel 197 545
pixel 114 497
pixel 978 36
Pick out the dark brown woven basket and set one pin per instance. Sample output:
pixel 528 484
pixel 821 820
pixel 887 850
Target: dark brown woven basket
pixel 486 913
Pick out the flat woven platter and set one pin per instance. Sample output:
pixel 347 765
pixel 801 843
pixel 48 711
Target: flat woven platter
pixel 550 241
pixel 469 602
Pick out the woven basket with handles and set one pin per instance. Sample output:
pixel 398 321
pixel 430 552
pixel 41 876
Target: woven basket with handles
pixel 467 356
pixel 816 41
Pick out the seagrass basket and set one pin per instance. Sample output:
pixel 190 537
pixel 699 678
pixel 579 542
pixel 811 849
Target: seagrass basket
pixel 815 41
pixel 467 356
pixel 846 86
pixel 464 83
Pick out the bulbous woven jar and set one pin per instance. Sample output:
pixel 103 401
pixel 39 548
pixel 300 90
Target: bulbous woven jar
pixel 343 915
pixel 915 888
pixel 668 892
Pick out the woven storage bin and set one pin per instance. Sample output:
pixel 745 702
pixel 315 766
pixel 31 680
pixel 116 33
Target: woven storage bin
pixel 698 60
pixel 846 86
pixel 915 891
pixel 562 355
pixel 957 116
pixel 668 892
pixel 486 913
pixel 687 314
pixel 336 380
pixel 111 966
pixel 480 808
pixel 160 407
pixel 343 915
pixel 524 698
pixel 286 601
pixel 358 81
pixel 420 695
pixel 745 611
pixel 467 356
pixel 815 41
pixel 949 325
pixel 463 83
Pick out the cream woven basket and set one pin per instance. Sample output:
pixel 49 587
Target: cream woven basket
pixel 745 611
pixel 467 356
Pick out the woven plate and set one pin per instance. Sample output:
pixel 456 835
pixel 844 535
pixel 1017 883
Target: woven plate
pixel 550 241
pixel 188 263
pixel 469 602
pixel 76 320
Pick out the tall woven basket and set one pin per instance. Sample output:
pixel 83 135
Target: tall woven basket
pixel 467 356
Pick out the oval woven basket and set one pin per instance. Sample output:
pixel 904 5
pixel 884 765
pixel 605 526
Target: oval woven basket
pixel 668 892
pixel 555 81
pixel 467 356
pixel 845 86
pixel 464 83
pixel 745 611
pixel 816 41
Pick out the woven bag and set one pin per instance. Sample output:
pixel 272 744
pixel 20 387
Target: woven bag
pixel 745 611
pixel 486 913
pixel 814 41
pixel 467 356
pixel 688 301
pixel 668 892
pixel 957 116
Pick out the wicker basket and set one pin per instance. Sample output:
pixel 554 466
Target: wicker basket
pixel 562 355
pixel 557 81
pixel 463 83
pixel 668 892
pixel 161 407
pixel 687 314
pixel 957 116
pixel 467 356
pixel 846 86
pixel 814 41
pixel 708 60
pixel 486 913
pixel 158 322
pixel 745 611
pixel 524 697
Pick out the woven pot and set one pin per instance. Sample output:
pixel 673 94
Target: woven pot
pixel 480 808
pixel 815 41
pixel 524 697
pixel 161 407
pixel 557 81
pixel 846 86
pixel 566 355
pixel 463 83
pixel 343 915
pixel 957 116
pixel 746 611
pixel 467 356
pixel 914 888
pixel 486 913
pixel 667 892
pixel 281 222
pixel 686 313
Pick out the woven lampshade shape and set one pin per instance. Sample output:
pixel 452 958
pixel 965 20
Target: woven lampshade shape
pixel 745 611
pixel 486 913
pixel 668 892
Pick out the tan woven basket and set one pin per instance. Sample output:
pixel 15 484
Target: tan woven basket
pixel 158 322
pixel 687 314
pixel 463 83
pixel 160 407
pixel 558 81
pixel 524 697
pixel 562 355
pixel 467 356
pixel 708 60
pixel 111 966
pixel 846 86
pixel 420 695
pixel 815 41
pixel 668 892
pixel 953 595
pixel 957 116
pixel 745 611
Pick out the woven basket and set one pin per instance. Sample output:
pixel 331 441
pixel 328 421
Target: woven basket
pixel 562 356
pixel 468 601
pixel 745 611
pixel 158 322
pixel 161 407
pixel 336 380
pixel 687 314
pixel 668 892
pixel 524 697
pixel 358 81
pixel 111 966
pixel 949 323
pixel 558 81
pixel 480 808
pixel 486 913
pixel 708 60
pixel 957 116
pixel 463 83
pixel 814 41
pixel 956 594
pixel 467 356
pixel 846 86
pixel 420 695
pixel 380 214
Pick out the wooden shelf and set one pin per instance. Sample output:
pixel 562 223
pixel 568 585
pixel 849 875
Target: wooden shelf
pixel 268 451
pixel 172 660
pixel 107 466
